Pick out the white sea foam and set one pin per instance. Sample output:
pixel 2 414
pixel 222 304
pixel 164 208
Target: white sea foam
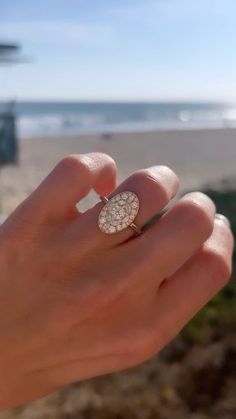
pixel 230 115
pixel 62 119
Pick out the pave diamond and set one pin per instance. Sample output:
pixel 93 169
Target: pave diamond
pixel 118 213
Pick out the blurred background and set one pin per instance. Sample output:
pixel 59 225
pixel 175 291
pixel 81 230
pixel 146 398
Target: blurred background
pixel 149 82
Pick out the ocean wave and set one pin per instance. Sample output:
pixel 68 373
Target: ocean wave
pixel 64 123
pixel 56 124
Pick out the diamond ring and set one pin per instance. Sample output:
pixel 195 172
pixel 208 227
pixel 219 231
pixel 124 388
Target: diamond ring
pixel 119 212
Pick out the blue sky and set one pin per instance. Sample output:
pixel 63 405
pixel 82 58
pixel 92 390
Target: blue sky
pixel 121 49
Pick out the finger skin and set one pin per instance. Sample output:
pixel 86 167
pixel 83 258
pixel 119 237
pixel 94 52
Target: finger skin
pixel 176 236
pixel 69 182
pixel 67 319
pixel 177 300
pixel 200 279
pixel 154 186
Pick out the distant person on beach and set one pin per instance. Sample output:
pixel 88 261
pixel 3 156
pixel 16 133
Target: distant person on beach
pixel 85 294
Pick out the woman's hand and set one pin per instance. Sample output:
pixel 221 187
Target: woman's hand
pixel 75 302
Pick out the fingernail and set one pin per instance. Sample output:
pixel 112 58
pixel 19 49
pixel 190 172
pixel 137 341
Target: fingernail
pixel 222 218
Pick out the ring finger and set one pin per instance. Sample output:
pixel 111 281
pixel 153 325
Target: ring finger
pixel 154 187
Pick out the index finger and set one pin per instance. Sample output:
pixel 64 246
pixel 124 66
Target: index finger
pixel 68 183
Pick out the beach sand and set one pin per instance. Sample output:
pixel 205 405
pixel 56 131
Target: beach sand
pixel 200 157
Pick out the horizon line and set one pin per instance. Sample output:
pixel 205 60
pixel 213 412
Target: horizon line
pixel 117 100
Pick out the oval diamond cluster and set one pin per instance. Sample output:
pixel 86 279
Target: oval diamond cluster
pixel 119 212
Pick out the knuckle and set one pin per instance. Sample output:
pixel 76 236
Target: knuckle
pixel 74 164
pixel 226 231
pixel 152 183
pixel 218 265
pixel 140 175
pixel 156 174
pixel 106 157
pixel 199 216
pixel 167 172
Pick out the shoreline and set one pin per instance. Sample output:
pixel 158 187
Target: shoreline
pixel 118 132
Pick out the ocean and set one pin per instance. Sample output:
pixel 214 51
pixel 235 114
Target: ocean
pixel 65 118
